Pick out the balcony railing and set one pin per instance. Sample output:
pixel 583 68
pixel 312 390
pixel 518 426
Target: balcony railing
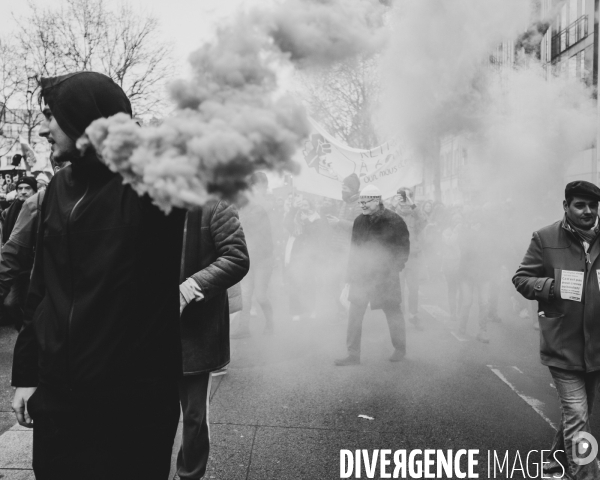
pixel 571 35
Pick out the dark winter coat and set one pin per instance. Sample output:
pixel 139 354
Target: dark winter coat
pixel 17 256
pixel 102 313
pixel 104 288
pixel 9 218
pixel 216 257
pixel 569 330
pixel 379 250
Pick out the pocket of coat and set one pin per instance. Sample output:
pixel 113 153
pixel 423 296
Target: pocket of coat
pixel 550 334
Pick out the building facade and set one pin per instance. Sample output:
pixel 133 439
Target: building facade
pixel 570 46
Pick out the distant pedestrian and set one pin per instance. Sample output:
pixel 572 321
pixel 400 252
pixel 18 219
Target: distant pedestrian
pixel 309 232
pixel 342 224
pixel 379 250
pixel 258 231
pixel 415 222
pixel 561 271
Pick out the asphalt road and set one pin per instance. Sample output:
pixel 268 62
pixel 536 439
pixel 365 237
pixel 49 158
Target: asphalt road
pixel 284 411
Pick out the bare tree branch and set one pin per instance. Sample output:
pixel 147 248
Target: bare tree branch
pixel 342 98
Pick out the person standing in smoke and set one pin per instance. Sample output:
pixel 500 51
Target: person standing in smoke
pixel 215 258
pixel 306 257
pixel 560 271
pixel 415 221
pixel 259 238
pixel 342 232
pixel 97 361
pixel 474 244
pixel 379 250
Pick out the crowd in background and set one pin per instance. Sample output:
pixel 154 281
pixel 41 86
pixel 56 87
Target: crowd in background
pixel 472 248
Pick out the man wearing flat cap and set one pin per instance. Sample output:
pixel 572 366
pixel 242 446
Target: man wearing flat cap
pixel 561 270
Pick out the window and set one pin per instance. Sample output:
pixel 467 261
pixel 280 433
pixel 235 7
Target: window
pixel 572 72
pixel 573 37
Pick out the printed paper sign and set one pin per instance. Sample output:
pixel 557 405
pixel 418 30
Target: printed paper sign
pixel 571 285
pixel 598 275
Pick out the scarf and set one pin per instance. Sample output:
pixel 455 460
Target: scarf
pixel 586 237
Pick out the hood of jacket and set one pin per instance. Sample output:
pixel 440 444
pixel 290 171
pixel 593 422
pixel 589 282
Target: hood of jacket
pixel 77 99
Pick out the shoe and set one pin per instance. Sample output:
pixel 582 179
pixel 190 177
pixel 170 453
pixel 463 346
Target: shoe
pixel 296 318
pixel 240 334
pixel 219 372
pixel 349 360
pixel 483 337
pixel 397 356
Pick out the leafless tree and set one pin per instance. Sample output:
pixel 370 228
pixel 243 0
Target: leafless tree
pixel 87 35
pixel 342 98
pixel 11 85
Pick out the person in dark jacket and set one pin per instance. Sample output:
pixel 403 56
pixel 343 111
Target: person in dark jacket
pixel 307 255
pixel 100 351
pixel 25 187
pixel 561 270
pixel 379 250
pixel 12 296
pixel 215 258
pixel 340 240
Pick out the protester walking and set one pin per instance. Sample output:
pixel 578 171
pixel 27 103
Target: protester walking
pixel 559 270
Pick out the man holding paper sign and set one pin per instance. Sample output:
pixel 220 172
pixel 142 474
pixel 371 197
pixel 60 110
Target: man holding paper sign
pixel 561 270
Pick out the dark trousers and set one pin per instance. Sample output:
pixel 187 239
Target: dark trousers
pixel 194 393
pixel 395 319
pixel 122 436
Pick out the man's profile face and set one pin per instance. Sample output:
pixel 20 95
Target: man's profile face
pixel 369 205
pixel 582 212
pixel 61 145
pixel 24 191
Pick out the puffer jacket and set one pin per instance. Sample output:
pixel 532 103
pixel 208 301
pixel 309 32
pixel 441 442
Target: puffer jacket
pixel 216 257
pixel 103 307
pixel 569 330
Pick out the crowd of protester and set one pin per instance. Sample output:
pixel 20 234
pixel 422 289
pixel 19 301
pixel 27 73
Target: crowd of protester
pixel 114 299
pixel 310 240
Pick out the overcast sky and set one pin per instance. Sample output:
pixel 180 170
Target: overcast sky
pixel 187 23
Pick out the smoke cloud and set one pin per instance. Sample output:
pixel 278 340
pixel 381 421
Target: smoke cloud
pixel 439 81
pixel 230 119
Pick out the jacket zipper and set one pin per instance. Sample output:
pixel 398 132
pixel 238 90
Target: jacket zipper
pixel 72 287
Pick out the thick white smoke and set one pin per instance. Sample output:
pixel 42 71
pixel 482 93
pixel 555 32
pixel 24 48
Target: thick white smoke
pixel 229 121
pixel 522 125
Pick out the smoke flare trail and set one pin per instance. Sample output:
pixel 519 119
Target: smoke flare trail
pixel 229 120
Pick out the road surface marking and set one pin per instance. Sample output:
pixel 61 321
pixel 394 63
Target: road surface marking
pixel 460 339
pixel 532 402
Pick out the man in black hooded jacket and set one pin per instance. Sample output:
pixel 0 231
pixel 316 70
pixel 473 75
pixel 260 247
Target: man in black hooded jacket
pixel 97 362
